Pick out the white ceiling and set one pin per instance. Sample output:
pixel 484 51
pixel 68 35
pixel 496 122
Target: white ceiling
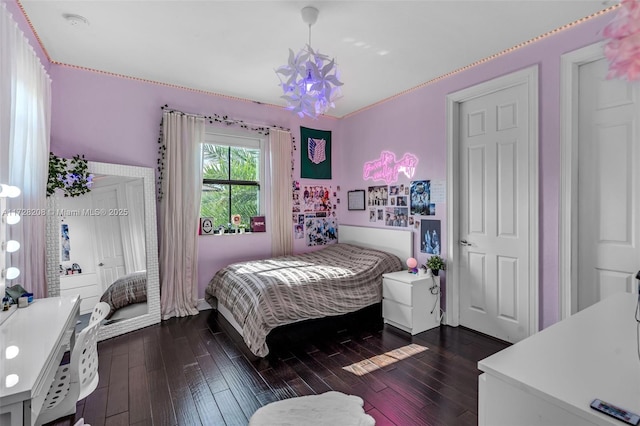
pixel 233 47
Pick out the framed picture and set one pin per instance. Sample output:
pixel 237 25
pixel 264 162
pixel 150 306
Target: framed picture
pixel 206 226
pixel 430 236
pixel 355 199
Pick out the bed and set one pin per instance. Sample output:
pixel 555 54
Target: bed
pixel 128 293
pixel 258 296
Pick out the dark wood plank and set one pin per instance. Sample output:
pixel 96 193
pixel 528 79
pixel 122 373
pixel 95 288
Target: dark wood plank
pixel 120 345
pixel 310 378
pixel 173 366
pixel 278 386
pixel 212 373
pixel 398 409
pixel 203 399
pixel 186 411
pixel 231 411
pixel 95 407
pixel 136 351
pixel 118 399
pixel 139 404
pixel 250 376
pixel 228 345
pixel 121 419
pixel 162 408
pixel 300 387
pixel 233 377
pixel 152 354
pixel 467 419
pixel 381 419
pixel 104 368
pixel 183 354
pixel 146 422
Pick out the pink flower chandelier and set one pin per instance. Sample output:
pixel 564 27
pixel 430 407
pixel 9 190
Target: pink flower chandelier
pixel 310 79
pixel 623 47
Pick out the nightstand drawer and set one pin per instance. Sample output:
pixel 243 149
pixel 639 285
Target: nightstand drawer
pixel 397 313
pixel 397 291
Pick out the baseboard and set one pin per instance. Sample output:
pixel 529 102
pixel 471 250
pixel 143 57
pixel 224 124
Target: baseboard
pixel 203 305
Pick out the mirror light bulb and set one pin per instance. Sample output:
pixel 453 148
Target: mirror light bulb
pixel 14 191
pixel 12 273
pixel 11 380
pixel 9 191
pixel 12 351
pixel 13 246
pixel 13 218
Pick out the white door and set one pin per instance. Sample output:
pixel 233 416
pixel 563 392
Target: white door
pixel 494 276
pixel 108 237
pixel 608 240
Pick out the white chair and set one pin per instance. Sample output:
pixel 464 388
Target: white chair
pixel 100 312
pixel 76 380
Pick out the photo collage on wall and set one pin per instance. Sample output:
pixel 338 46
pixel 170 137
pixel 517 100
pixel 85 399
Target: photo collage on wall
pixel 398 205
pixel 314 214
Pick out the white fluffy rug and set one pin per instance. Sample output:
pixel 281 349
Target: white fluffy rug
pixel 330 409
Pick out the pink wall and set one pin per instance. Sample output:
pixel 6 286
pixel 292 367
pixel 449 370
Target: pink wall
pixel 416 122
pixel 116 120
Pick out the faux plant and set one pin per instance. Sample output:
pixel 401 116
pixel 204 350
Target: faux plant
pixel 71 177
pixel 435 263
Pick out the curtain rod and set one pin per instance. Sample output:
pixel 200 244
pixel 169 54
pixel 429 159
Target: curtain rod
pixel 215 118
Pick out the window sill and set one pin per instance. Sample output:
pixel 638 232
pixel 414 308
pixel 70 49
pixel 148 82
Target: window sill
pixel 230 234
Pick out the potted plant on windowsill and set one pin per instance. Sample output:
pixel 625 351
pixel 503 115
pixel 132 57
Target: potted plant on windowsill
pixel 435 263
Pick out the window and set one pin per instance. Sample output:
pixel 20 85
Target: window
pixel 232 177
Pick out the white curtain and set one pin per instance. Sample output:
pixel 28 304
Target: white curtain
pixel 281 196
pixel 179 212
pixel 25 122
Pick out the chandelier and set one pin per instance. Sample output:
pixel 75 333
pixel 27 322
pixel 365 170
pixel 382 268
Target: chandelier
pixel 310 79
pixel 623 45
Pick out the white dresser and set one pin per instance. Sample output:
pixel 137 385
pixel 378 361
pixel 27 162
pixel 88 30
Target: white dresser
pixel 32 342
pixel 86 285
pixel 408 302
pixel 551 377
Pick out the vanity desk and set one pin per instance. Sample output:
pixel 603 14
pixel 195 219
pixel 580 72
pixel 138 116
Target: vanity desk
pixel 32 343
pixel 552 377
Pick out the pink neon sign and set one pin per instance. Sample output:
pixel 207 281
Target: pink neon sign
pixel 387 168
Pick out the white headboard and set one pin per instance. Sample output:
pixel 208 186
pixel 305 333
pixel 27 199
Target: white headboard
pixel 398 242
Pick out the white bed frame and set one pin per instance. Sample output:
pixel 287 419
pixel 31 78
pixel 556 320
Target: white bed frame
pixel 394 241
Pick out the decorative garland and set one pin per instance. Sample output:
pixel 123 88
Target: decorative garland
pixel 215 118
pixel 71 177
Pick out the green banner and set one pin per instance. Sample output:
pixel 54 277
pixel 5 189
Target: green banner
pixel 315 161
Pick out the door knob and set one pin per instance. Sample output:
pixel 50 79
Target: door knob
pixel 465 243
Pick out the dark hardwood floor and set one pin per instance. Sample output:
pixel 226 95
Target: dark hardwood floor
pixel 194 371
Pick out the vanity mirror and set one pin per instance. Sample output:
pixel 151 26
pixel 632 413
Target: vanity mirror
pixel 103 246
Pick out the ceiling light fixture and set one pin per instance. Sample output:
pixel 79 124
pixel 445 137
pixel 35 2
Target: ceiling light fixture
pixel 75 20
pixel 310 80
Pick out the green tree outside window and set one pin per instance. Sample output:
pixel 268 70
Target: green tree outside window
pixel 230 184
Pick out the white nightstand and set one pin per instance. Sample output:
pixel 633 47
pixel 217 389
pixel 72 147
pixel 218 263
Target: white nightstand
pixel 407 301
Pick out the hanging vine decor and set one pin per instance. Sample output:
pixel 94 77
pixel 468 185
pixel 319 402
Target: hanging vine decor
pixel 71 177
pixel 214 118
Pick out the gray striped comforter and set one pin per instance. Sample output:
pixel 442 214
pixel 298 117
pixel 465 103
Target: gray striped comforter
pixel 265 294
pixel 126 290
